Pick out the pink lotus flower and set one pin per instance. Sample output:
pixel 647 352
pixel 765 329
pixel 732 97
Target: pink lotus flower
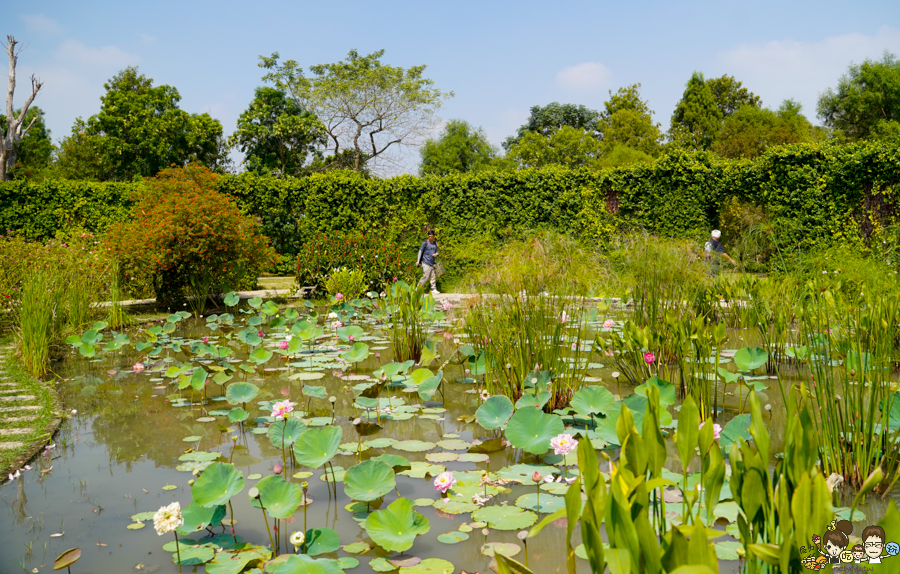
pixel 444 481
pixel 717 429
pixel 339 296
pixel 536 477
pixel 278 468
pixel 377 355
pixel 138 367
pixel 574 346
pixel 649 358
pixel 283 345
pixel 206 339
pixel 395 278
pixel 282 409
pixel 608 324
pixel 285 392
pixel 564 318
pixel 350 338
pixel 563 443
pixel 447 305
pixel 261 334
pixel 336 325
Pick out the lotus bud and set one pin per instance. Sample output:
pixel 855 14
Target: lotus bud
pixel 278 468
pixel 297 539
pixel 234 438
pixel 522 535
pixel 485 531
pixel 191 482
pixel 332 400
pixel 305 486
pixel 536 477
pixel 253 492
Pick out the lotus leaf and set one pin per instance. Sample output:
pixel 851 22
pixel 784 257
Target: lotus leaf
pixel 429 566
pixel 666 391
pixel 548 502
pixel 394 460
pixel 453 537
pixel 383 442
pixel 67 558
pixel 357 353
pixel 505 517
pixel 316 446
pixel 495 412
pixel 736 428
pixel 429 386
pixel 260 356
pixel 356 548
pixel 531 429
pixel 194 555
pixel 344 333
pixel 218 483
pixel 533 400
pixel 285 432
pixel 237 414
pixel 748 359
pixel 396 527
pixel 523 472
pixel 321 540
pixel 197 518
pixel 454 444
pixel 315 392
pixel 413 445
pixel 455 506
pixel 369 480
pixel 381 565
pixel 238 393
pixel 505 548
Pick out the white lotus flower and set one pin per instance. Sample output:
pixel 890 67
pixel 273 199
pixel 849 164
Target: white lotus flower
pixel 168 518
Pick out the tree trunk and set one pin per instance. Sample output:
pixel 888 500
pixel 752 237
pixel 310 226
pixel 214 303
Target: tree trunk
pixel 14 125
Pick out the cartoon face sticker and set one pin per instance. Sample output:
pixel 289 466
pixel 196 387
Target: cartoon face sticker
pixel 833 549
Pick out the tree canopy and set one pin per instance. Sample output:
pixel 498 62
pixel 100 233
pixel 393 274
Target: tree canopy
pixel 627 123
pixel 751 130
pixel 367 107
pixel 459 148
pixel 866 96
pixel 546 120
pixel 697 116
pixel 276 135
pixel 568 146
pixel 139 131
pixel 730 95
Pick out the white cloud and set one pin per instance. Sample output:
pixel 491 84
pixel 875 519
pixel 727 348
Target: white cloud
pixel 802 70
pixel 73 52
pixel 147 38
pixel 40 23
pixel 584 76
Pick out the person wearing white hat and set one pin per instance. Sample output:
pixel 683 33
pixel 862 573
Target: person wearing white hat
pixel 714 250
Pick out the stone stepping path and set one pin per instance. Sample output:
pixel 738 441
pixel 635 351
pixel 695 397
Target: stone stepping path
pixel 22 408
pixel 14 431
pixel 18 398
pixel 17 418
pixel 11 445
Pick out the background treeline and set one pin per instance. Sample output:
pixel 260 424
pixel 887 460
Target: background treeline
pixel 789 199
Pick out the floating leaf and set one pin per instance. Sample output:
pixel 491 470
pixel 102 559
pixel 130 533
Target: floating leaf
pixel 548 502
pixel 67 558
pixel 593 400
pixel 430 566
pixel 321 540
pixel 505 548
pixel 279 497
pixel 505 517
pixel 303 564
pixel 241 392
pixel 285 432
pixel 453 537
pixel 413 445
pixel 748 359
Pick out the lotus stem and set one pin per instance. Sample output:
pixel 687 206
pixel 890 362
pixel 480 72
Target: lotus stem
pixel 268 530
pixel 177 551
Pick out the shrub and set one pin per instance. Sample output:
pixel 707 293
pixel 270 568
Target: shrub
pixel 351 283
pixel 377 259
pixel 190 241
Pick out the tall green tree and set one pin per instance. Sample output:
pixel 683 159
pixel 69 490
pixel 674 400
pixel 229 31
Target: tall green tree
pixel 140 130
pixel 276 135
pixel 866 96
pixel 459 148
pixel 34 149
pixel 697 116
pixel 751 130
pixel 367 107
pixel 546 120
pixel 627 123
pixel 731 95
pixel 568 147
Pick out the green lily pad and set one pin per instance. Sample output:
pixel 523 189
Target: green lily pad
pixel 592 400
pixel 356 548
pixel 321 540
pixel 279 497
pixel 369 480
pixel 549 503
pixel 453 537
pixel 316 446
pixel 531 429
pixel 194 555
pixel 135 526
pixel 454 505
pixel 381 565
pixel 508 549
pixel 396 527
pixel 473 457
pixel 241 392
pixel 454 444
pixel 304 564
pixel 430 566
pixel 218 483
pixel 380 442
pixel 729 550
pixel 505 517
pixel 441 456
pixel 748 359
pixel 413 445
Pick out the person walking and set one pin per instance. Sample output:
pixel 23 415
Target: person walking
pixel 427 253
pixel 715 251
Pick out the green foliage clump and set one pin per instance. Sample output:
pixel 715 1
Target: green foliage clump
pixel 189 240
pixel 866 100
pixel 351 283
pixel 377 260
pixel 459 149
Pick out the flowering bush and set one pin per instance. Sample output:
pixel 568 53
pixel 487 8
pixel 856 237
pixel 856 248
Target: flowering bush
pixel 378 260
pixel 189 240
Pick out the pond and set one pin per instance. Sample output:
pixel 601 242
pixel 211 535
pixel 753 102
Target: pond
pixel 134 442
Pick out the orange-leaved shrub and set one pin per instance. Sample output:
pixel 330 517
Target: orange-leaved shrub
pixel 189 241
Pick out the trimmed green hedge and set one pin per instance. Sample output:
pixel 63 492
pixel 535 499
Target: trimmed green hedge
pixel 825 190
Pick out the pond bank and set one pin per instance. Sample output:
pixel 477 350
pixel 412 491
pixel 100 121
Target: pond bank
pixel 30 413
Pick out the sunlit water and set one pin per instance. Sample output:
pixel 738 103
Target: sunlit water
pixel 115 455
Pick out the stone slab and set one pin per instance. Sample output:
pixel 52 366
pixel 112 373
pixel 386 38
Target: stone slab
pixel 11 445
pixel 11 432
pixel 18 398
pixel 11 390
pixel 23 408
pixel 19 419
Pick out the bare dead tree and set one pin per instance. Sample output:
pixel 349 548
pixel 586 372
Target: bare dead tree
pixel 15 127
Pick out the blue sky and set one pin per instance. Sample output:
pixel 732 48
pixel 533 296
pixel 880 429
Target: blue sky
pixel 500 58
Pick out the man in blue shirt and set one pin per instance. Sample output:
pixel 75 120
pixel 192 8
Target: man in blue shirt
pixel 427 252
pixel 714 250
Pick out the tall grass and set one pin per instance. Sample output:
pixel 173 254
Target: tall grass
pixel 412 313
pixel 36 314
